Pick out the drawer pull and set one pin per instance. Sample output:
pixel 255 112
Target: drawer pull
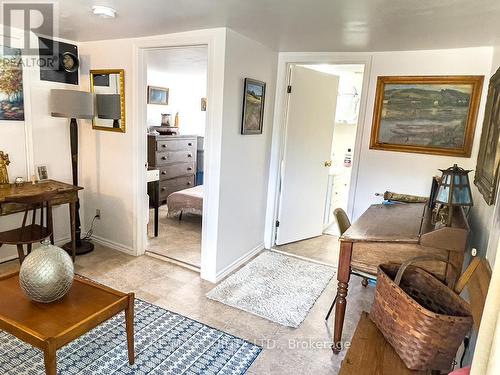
pixel 190 144
pixel 190 155
pixel 163 158
pixel 188 183
pixel 190 169
pixel 164 146
pixel 163 188
pixel 163 172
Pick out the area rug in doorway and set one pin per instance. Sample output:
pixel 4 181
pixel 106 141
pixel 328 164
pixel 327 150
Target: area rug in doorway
pixel 165 343
pixel 276 287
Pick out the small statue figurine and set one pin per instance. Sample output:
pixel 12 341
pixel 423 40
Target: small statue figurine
pixel 4 162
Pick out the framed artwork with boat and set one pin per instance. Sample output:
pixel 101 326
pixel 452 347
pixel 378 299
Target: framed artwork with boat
pixel 426 114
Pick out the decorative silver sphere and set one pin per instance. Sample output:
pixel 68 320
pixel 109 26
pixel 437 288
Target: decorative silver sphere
pixel 46 274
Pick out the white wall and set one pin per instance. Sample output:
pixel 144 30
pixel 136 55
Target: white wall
pixel 186 88
pixel 245 158
pixel 107 157
pixel 39 140
pixel 488 217
pixel 241 161
pixel 379 171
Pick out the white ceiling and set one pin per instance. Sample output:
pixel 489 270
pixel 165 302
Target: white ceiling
pixel 298 25
pixel 181 60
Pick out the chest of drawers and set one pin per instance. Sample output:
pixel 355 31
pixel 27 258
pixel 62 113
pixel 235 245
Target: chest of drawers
pixel 175 157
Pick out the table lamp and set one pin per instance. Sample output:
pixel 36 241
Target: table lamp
pixel 109 107
pixel 74 105
pixel 454 190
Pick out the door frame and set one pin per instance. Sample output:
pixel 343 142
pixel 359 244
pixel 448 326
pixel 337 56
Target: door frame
pixel 214 39
pixel 285 61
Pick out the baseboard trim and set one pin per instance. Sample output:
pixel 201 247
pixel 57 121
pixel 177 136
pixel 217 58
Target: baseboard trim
pixel 164 258
pixel 304 258
pixel 238 262
pixel 113 245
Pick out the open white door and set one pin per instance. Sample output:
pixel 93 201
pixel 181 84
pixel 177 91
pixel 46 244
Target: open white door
pixel 309 131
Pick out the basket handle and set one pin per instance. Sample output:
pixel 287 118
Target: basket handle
pixel 405 265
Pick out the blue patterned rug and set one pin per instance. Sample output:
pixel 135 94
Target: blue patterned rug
pixel 165 343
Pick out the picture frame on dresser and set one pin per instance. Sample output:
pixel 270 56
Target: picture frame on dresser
pixel 488 161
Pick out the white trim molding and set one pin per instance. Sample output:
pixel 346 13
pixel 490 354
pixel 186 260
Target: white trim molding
pixel 238 263
pixel 113 245
pixel 285 60
pixel 215 40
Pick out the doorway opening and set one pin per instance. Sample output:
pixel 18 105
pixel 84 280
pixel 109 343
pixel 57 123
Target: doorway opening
pixel 321 127
pixel 176 125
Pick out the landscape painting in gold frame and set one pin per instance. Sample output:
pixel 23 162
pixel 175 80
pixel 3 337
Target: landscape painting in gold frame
pixel 426 114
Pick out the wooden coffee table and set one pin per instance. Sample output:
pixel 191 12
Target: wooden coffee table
pixel 51 326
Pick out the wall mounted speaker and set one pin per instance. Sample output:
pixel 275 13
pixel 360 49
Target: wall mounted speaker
pixel 58 61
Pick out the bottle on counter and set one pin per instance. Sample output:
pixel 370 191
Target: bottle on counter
pixel 348 158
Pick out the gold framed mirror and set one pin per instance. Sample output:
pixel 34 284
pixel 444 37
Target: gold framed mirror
pixel 108 87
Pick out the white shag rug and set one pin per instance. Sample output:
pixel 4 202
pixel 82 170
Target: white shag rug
pixel 276 287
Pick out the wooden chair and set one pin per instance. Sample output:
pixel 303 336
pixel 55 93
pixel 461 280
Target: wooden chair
pixel 28 234
pixel 369 352
pixel 343 224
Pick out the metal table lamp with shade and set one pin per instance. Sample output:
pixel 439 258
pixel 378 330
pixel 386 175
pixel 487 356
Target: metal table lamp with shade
pixel 454 190
pixel 74 105
pixel 109 107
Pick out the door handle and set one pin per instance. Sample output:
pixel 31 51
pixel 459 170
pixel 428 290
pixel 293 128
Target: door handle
pixel 328 163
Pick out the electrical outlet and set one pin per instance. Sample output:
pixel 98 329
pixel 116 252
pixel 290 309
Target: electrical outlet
pixel 98 213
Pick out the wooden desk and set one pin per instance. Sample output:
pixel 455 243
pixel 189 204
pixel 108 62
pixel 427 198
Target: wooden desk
pixel 396 233
pixel 67 194
pixel 371 354
pixel 51 326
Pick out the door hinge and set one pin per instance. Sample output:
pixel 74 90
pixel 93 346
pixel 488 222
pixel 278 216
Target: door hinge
pixel 277 223
pixel 289 89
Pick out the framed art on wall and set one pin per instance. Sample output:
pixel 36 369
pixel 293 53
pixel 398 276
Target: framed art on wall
pixel 157 95
pixel 11 84
pixel 426 114
pixel 488 161
pixel 253 106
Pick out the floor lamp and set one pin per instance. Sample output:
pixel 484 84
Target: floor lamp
pixel 74 105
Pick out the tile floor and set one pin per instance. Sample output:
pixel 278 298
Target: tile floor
pixel 304 350
pixel 324 248
pixel 177 239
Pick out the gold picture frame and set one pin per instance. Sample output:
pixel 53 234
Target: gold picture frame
pixel 121 73
pixel 488 161
pixel 426 114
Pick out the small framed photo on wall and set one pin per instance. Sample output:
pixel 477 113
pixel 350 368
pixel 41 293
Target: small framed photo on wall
pixel 253 106
pixel 157 95
pixel 43 173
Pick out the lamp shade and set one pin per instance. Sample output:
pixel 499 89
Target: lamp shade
pixel 109 106
pixel 71 104
pixel 454 187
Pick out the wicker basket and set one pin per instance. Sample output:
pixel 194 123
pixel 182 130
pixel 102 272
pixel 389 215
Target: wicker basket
pixel 423 319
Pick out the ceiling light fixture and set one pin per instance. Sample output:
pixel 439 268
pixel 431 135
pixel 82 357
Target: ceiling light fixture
pixel 104 12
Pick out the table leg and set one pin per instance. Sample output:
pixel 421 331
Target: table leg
pixel 157 205
pixel 129 324
pixel 343 275
pixel 49 357
pixel 72 214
